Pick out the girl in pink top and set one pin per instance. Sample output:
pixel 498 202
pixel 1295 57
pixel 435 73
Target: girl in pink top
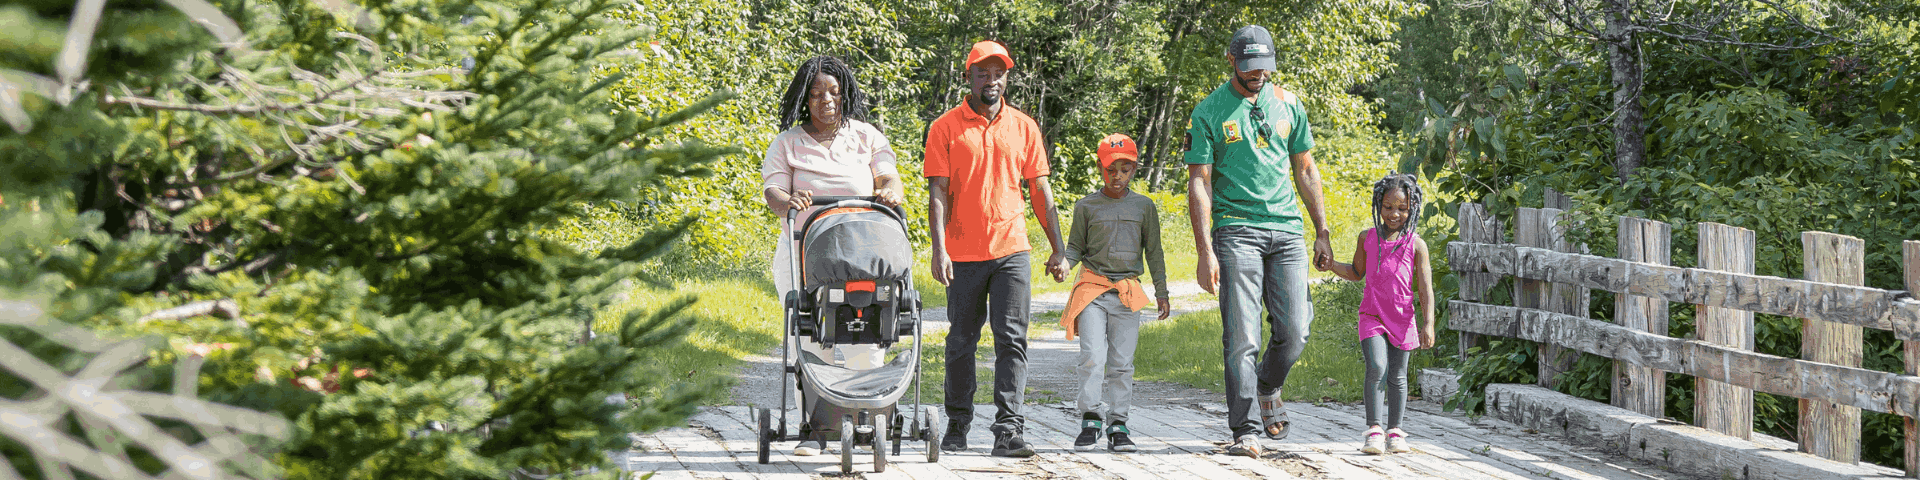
pixel 1392 260
pixel 825 148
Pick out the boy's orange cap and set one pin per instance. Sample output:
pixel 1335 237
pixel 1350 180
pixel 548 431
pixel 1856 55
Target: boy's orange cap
pixel 986 49
pixel 1117 147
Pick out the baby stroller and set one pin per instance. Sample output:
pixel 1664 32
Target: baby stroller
pixel 856 287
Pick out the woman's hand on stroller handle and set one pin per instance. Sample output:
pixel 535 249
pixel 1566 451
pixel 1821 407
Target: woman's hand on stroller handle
pixel 889 197
pixel 800 200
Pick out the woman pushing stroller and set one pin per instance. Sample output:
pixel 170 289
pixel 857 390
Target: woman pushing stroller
pixel 826 148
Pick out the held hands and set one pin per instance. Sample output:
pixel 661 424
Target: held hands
pixel 1322 252
pixel 1057 267
pixel 1165 306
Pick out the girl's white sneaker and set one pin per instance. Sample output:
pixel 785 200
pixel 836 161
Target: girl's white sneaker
pixel 1397 441
pixel 1376 442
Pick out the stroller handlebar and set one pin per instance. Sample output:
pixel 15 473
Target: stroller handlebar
pixel 819 200
pixel 853 201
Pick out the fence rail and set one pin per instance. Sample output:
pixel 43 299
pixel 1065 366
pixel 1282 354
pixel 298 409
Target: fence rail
pixel 1552 275
pixel 1867 307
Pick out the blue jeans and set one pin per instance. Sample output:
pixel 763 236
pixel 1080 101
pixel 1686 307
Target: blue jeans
pixel 1257 267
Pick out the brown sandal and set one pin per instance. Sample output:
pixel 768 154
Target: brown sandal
pixel 1273 416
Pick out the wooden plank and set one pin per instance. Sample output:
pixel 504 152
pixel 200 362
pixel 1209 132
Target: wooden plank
pixel 1719 406
pixel 1477 226
pixel 1563 296
pixel 1535 227
pixel 1829 428
pixel 654 457
pixel 737 427
pixel 1487 453
pixel 1320 454
pixel 1055 446
pixel 1532 453
pixel 1197 444
pixel 1118 464
pixel 1343 434
pixel 1851 386
pixel 1910 260
pixel 702 457
pixel 977 461
pixel 1635 388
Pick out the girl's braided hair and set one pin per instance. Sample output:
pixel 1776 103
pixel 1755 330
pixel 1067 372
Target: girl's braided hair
pixel 793 105
pixel 1406 183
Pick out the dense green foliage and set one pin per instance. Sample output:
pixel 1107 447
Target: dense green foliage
pixel 1777 141
pixel 368 185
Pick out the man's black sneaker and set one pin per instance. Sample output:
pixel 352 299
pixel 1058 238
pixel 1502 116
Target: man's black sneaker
pixel 1089 435
pixel 1117 439
pixel 955 440
pixel 1007 443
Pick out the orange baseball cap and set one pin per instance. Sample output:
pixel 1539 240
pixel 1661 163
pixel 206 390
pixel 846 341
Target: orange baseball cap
pixel 986 49
pixel 1117 147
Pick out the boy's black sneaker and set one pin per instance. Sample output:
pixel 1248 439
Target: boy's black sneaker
pixel 1007 442
pixel 1089 435
pixel 955 440
pixel 1117 439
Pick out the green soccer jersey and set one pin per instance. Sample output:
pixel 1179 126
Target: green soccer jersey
pixel 1248 142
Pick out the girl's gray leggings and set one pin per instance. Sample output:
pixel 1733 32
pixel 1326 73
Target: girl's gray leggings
pixel 1391 361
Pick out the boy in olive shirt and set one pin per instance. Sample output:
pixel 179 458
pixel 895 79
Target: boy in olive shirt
pixel 1112 230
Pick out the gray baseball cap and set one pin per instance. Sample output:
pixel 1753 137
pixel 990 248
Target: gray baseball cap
pixel 1251 49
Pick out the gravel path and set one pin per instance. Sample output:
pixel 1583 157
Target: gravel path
pixel 1050 357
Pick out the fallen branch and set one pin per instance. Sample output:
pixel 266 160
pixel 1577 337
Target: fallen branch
pixel 224 308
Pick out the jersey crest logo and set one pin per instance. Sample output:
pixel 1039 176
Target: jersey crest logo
pixel 1232 130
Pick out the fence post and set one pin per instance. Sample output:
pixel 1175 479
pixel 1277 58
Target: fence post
pixel 1476 226
pixel 1719 406
pixel 1541 228
pixel 1910 256
pixel 1828 429
pixel 1642 389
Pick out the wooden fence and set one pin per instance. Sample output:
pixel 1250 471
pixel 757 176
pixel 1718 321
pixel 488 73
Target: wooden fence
pixel 1550 299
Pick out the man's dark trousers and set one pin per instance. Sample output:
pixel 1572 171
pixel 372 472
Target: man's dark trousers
pixel 1006 280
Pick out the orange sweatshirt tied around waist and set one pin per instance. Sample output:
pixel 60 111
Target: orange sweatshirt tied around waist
pixel 1089 286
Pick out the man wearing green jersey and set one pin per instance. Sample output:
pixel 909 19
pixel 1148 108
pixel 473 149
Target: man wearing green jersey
pixel 1250 166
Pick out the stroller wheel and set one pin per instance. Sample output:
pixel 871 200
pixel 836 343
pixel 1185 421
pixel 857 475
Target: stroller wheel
pixel 879 443
pixel 766 434
pixel 931 416
pixel 933 440
pixel 846 445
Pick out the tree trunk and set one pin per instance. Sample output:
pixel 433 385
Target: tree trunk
pixel 1623 56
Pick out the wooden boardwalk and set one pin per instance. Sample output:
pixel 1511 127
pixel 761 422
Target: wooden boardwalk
pixel 1176 442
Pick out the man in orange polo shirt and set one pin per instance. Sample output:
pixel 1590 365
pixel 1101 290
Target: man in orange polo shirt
pixel 978 155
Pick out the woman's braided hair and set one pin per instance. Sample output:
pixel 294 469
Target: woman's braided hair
pixel 793 105
pixel 1405 183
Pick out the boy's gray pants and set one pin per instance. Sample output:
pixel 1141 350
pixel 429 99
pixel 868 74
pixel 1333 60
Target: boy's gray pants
pixel 1108 333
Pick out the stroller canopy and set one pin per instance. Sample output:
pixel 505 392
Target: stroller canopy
pixel 855 244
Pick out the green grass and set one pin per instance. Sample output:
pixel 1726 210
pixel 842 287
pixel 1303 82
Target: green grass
pixel 734 318
pixel 1186 350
